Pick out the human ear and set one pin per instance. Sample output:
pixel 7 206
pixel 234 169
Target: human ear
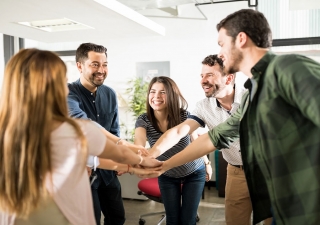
pixel 79 66
pixel 242 38
pixel 230 78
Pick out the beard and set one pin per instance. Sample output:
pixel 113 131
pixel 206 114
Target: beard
pixel 235 59
pixel 97 82
pixel 216 90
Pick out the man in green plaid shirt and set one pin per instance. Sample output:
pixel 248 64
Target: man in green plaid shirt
pixel 278 122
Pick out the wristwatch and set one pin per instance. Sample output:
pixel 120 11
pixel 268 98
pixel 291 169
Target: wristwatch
pixel 208 163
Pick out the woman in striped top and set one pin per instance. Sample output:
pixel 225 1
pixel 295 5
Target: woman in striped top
pixel 181 187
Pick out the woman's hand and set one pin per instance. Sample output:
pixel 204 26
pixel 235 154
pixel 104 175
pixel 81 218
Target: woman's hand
pixel 156 171
pixel 208 172
pixel 142 172
pixel 134 148
pixel 148 161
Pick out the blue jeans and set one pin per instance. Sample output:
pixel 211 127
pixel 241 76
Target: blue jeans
pixel 181 202
pixel 108 199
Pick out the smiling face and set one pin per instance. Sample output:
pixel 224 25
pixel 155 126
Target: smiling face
pixel 94 70
pixel 229 53
pixel 212 80
pixel 158 97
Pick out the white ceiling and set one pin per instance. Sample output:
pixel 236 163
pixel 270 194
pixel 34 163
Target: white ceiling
pixel 108 23
pixel 110 19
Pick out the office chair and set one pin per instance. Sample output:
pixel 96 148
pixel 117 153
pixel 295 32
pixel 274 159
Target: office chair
pixel 150 188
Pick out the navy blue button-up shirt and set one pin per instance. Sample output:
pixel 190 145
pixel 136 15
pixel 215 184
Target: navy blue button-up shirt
pixel 101 107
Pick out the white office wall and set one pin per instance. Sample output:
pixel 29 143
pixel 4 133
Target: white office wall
pixel 186 43
pixel 1 59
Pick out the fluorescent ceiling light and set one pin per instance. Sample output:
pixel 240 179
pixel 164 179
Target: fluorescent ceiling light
pixel 132 15
pixel 56 25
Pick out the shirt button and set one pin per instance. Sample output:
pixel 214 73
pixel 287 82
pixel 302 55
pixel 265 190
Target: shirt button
pixel 98 115
pixel 93 101
pixel 91 93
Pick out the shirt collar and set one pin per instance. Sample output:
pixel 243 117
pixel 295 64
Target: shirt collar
pixel 257 71
pixel 262 65
pixel 85 90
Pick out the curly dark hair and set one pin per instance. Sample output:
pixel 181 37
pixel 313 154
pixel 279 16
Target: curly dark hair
pixel 212 60
pixel 251 22
pixel 83 49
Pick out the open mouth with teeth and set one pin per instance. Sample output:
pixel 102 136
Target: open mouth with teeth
pixel 157 103
pixel 207 88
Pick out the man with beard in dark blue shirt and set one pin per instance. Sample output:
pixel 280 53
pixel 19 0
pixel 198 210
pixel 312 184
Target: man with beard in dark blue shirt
pixel 90 99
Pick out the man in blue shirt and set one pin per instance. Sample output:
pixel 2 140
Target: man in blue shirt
pixel 90 99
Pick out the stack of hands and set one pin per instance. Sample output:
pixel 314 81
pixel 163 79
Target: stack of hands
pixel 148 167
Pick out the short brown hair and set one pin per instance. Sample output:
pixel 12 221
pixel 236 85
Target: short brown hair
pixel 251 22
pixel 83 49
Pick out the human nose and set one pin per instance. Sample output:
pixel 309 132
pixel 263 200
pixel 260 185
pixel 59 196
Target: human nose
pixel 203 80
pixel 157 95
pixel 101 69
pixel 220 54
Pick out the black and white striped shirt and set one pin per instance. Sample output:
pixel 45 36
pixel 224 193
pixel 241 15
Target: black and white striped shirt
pixel 153 135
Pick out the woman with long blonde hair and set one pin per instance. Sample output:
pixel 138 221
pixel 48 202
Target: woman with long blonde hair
pixel 40 146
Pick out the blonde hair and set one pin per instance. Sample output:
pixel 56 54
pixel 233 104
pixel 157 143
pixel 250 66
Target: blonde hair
pixel 33 95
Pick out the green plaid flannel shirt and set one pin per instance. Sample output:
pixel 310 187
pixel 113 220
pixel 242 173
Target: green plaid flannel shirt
pixel 279 126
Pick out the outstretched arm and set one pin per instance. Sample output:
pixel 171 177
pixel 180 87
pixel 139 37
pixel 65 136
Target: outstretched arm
pixel 172 137
pixel 124 168
pixel 219 137
pixel 207 162
pixel 122 154
pixel 200 147
pixel 119 141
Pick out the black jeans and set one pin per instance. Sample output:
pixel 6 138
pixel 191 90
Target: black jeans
pixel 108 199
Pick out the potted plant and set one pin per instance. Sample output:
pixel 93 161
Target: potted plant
pixel 137 96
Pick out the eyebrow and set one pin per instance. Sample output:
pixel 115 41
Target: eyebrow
pixel 155 89
pixel 98 62
pixel 207 73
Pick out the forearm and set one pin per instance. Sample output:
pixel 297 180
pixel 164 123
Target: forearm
pixel 200 147
pixel 109 164
pixel 119 154
pixel 132 146
pixel 110 136
pixel 168 139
